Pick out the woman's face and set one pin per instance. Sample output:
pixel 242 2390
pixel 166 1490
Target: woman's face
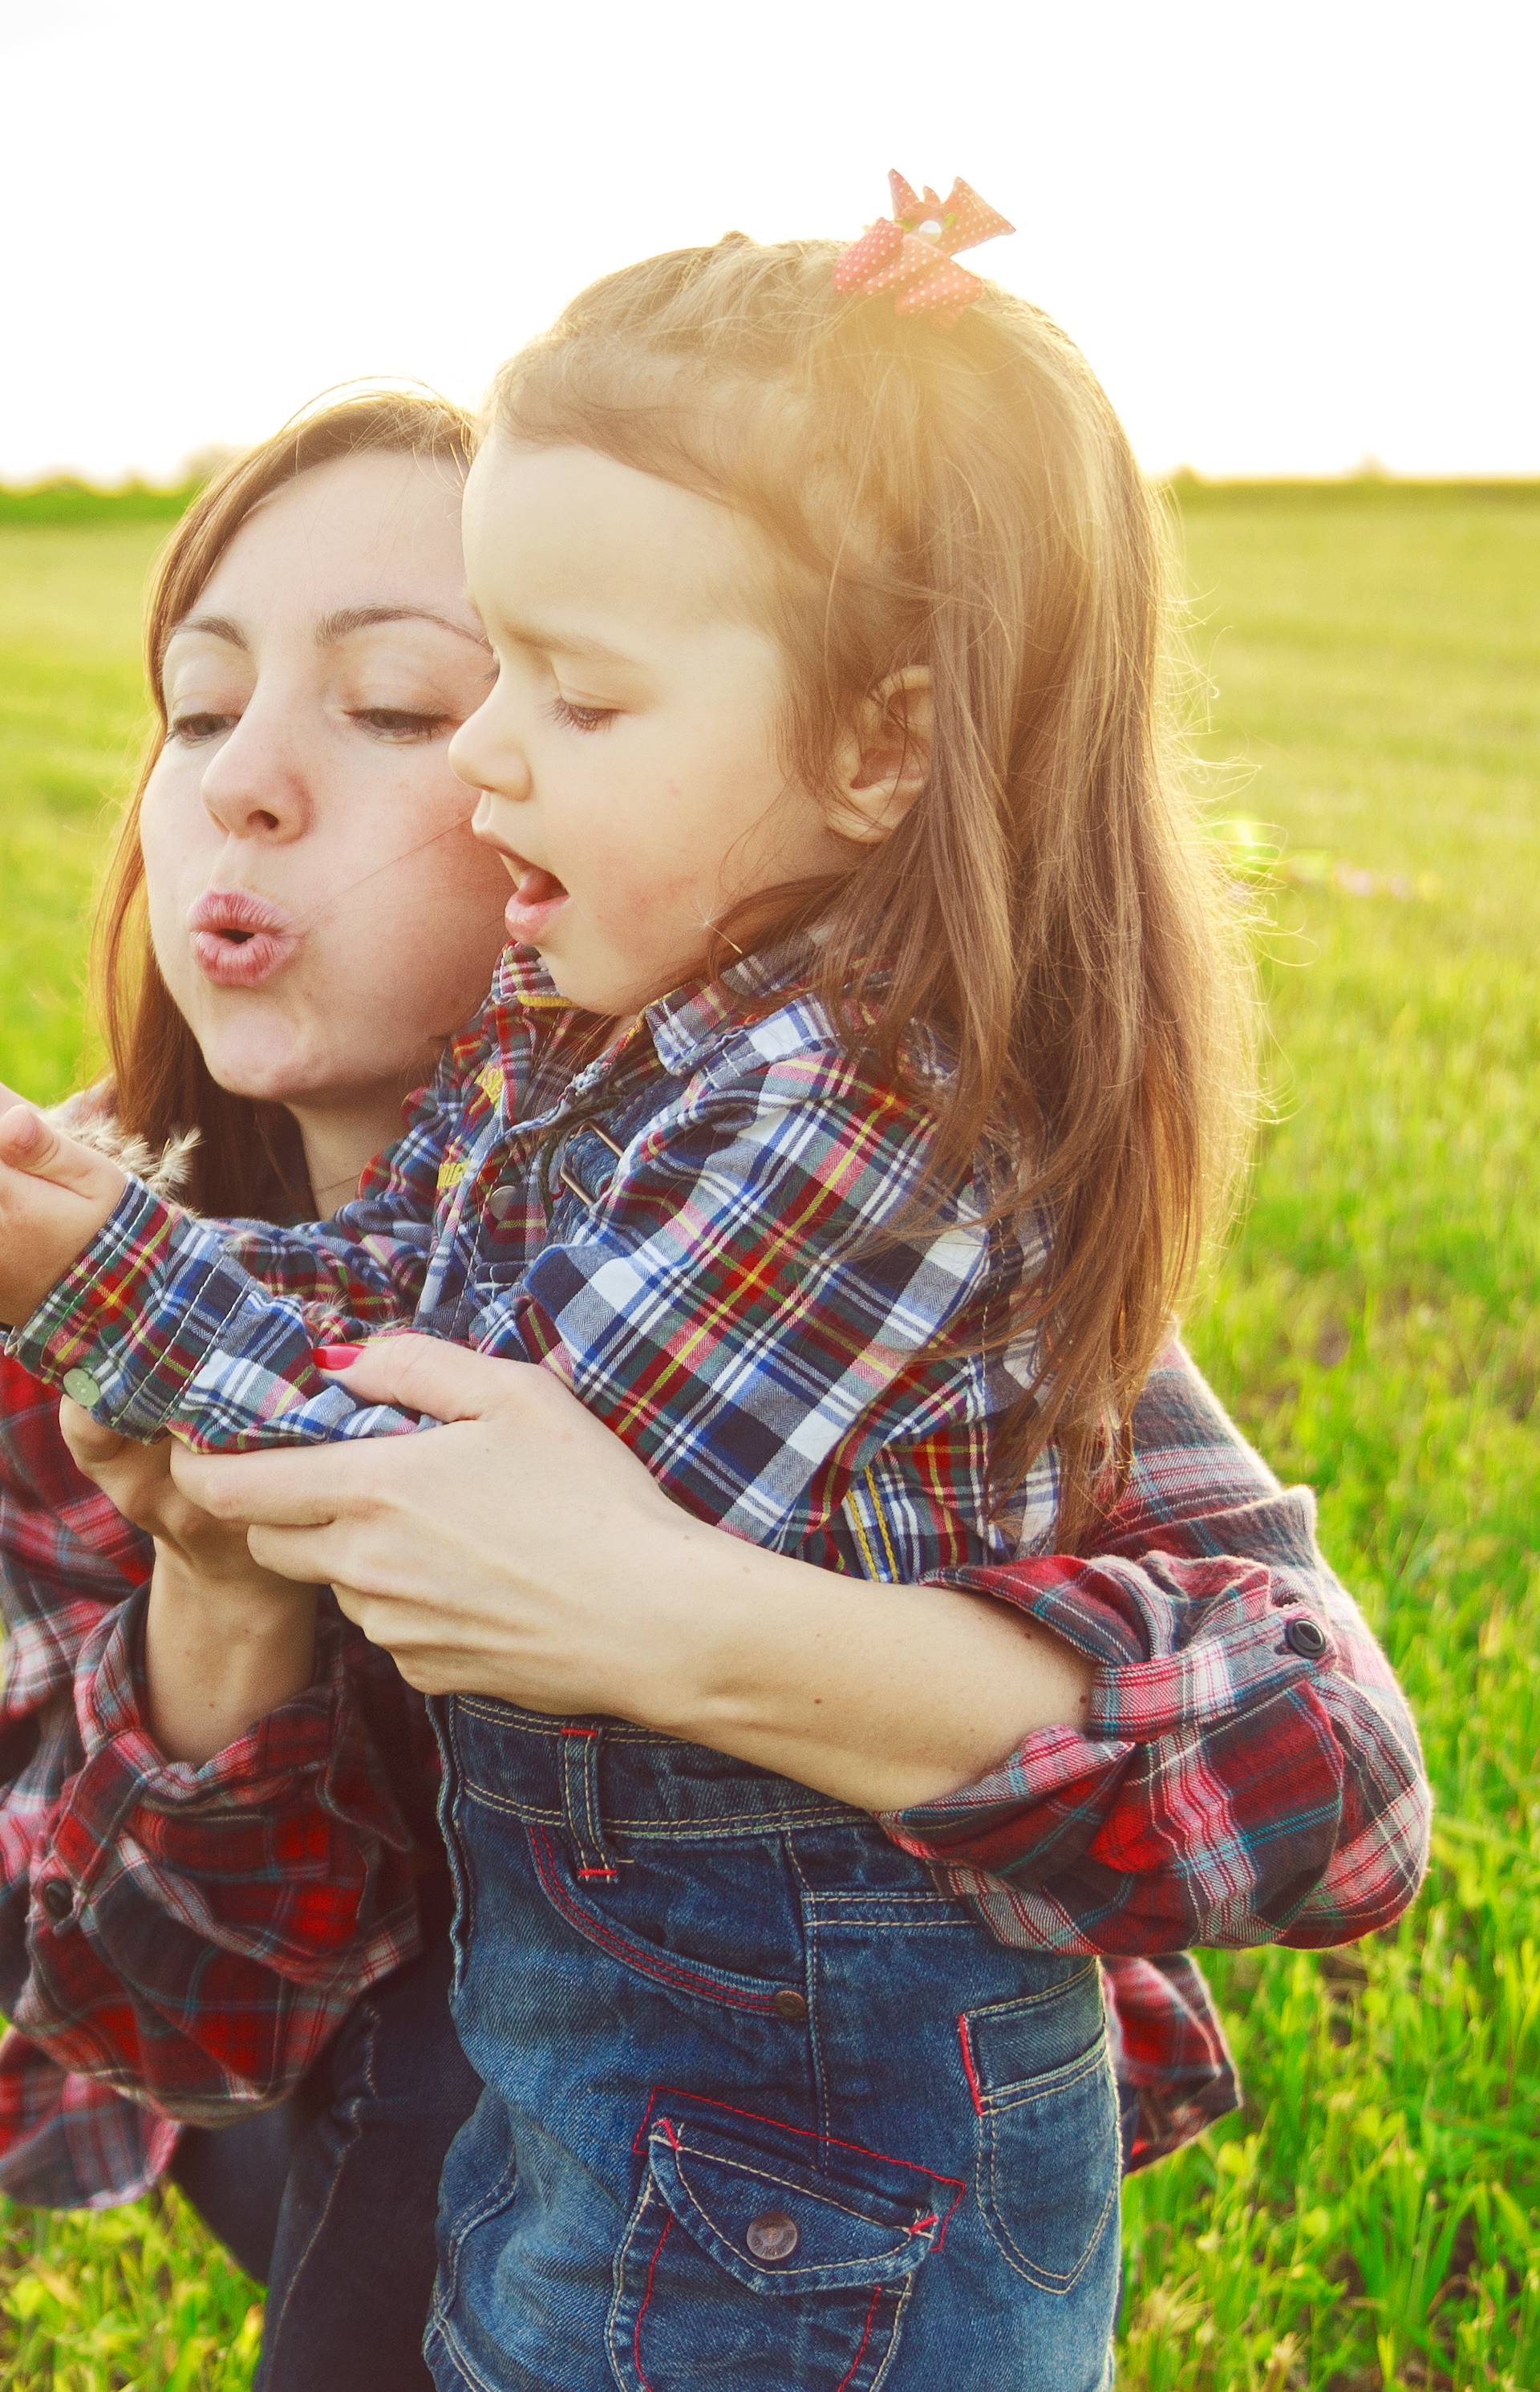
pixel 319 910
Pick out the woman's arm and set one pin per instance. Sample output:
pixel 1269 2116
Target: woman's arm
pixel 224 1640
pixel 1190 1737
pixel 192 1933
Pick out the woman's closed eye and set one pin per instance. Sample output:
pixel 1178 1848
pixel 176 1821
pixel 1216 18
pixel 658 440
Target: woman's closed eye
pixel 405 724
pixel 192 729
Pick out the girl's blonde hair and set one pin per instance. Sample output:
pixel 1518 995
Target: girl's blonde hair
pixel 247 1159
pixel 965 500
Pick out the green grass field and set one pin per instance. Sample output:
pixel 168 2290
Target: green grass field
pixel 1368 2221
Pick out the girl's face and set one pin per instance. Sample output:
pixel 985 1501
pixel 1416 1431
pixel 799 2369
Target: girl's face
pixel 627 757
pixel 319 910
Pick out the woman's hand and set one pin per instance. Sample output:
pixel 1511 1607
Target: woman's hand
pixel 503 1553
pixel 523 1552
pixel 136 1480
pixel 225 1641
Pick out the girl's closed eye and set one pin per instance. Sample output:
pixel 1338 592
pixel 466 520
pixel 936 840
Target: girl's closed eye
pixel 573 716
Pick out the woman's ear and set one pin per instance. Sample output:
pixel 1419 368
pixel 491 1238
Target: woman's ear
pixel 884 761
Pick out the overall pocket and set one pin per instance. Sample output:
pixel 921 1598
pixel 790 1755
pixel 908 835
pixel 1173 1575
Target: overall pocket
pixel 667 1918
pixel 746 2262
pixel 1049 2156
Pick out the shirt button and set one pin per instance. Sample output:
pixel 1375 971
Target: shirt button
pixel 1303 1636
pixel 58 1900
pixel 790 2006
pixel 773 2236
pixel 501 1204
pixel 82 1388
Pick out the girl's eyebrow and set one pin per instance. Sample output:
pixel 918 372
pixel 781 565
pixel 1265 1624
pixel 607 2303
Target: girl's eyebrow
pixel 552 641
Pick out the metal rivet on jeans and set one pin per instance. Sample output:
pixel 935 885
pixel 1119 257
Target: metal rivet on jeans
pixel 773 2236
pixel 789 2004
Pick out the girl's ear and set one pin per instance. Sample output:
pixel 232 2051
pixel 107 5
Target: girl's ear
pixel 884 761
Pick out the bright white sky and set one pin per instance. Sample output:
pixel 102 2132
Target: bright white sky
pixel 1287 236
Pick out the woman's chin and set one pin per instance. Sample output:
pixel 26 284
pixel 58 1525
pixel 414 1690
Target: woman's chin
pixel 268 1070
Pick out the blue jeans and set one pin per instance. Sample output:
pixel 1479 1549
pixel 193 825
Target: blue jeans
pixel 329 2199
pixel 761 2107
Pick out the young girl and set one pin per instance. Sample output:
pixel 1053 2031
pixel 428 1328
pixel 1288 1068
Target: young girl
pixel 827 636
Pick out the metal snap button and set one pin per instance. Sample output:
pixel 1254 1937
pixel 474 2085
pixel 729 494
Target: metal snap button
pixel 81 1386
pixel 790 2005
pixel 502 1203
pixel 58 1900
pixel 1303 1636
pixel 774 2236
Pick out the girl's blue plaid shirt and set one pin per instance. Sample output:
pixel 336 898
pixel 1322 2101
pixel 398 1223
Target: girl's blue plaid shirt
pixel 1247 1772
pixel 719 1233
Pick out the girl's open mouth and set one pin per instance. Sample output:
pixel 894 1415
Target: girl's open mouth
pixel 537 897
pixel 240 940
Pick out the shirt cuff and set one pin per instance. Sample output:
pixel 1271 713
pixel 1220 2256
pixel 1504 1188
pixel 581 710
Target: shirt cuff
pixel 96 1334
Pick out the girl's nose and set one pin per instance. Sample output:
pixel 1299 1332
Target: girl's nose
pixel 255 785
pixel 486 758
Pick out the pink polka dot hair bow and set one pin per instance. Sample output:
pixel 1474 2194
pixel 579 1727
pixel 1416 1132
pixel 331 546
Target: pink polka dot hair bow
pixel 912 252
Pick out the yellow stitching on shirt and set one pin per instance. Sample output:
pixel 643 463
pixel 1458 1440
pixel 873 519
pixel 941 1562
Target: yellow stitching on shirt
pixel 882 1523
pixel 867 1555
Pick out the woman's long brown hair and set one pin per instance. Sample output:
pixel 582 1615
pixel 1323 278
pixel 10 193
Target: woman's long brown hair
pixel 247 1160
pixel 966 498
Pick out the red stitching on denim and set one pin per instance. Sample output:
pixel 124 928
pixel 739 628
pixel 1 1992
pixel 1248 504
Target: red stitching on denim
pixel 967 2062
pixel 597 1872
pixel 621 1947
pixel 865 2338
pixel 762 2118
pixel 924 2225
pixel 579 1731
pixel 636 2337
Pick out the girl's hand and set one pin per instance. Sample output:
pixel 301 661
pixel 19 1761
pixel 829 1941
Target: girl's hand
pixel 55 1195
pixel 136 1480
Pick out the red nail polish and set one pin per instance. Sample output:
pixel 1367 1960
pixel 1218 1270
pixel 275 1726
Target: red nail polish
pixel 334 1357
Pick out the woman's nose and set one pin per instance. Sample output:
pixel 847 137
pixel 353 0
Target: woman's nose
pixel 255 785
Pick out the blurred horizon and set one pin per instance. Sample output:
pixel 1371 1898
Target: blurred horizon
pixel 1293 247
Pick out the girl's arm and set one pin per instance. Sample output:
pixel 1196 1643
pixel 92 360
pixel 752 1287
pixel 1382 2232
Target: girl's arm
pixel 190 1933
pixel 159 1321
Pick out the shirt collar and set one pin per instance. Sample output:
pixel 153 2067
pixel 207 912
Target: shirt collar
pixel 690 1020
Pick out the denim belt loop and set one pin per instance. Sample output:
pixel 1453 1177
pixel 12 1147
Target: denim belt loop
pixel 581 1814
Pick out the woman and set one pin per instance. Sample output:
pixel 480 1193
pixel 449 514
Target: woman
pixel 197 1935
pixel 212 1708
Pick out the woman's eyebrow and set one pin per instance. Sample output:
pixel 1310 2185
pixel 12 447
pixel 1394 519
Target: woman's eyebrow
pixel 344 620
pixel 214 627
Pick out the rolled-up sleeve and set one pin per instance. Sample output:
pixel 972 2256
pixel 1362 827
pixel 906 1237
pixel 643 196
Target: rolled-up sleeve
pixel 195 1934
pixel 1248 1770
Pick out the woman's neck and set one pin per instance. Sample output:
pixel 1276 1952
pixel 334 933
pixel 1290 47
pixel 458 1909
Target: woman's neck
pixel 339 1140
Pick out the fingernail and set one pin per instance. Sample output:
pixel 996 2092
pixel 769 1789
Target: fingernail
pixel 334 1357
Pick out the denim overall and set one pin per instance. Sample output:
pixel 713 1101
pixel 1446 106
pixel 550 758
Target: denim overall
pixel 763 2110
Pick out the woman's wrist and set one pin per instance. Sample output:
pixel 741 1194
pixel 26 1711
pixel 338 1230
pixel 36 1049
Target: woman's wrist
pixel 219 1655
